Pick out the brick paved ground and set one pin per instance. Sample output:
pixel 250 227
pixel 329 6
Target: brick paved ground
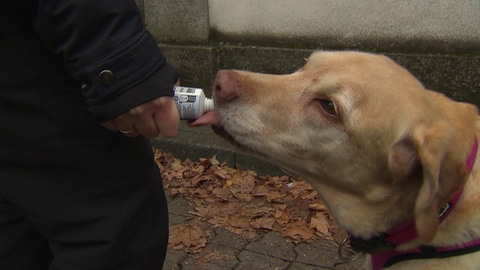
pixel 267 251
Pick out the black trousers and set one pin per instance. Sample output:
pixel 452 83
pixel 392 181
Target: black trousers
pixel 68 225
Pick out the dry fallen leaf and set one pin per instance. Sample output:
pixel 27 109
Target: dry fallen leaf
pixel 299 231
pixel 241 202
pixel 318 206
pixel 321 223
pixel 263 223
pixel 189 237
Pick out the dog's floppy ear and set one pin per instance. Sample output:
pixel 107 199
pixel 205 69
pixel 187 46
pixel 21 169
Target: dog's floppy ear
pixel 424 155
pixel 441 175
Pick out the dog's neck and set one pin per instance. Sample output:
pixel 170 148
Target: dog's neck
pixel 382 247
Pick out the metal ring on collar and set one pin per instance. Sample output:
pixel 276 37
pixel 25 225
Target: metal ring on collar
pixel 341 248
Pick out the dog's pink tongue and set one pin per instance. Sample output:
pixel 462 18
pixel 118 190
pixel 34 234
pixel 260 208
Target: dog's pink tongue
pixel 209 118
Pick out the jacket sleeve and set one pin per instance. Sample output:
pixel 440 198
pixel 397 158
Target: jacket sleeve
pixel 107 51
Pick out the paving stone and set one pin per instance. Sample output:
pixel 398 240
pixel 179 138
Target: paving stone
pixel 173 259
pixel 301 266
pixel 224 237
pixel 250 260
pixel 355 265
pixel 168 196
pixel 189 263
pixel 322 253
pixel 204 260
pixel 179 206
pixel 273 244
pixel 229 262
pixel 177 219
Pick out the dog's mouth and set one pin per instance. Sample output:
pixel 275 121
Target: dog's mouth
pixel 212 119
pixel 222 132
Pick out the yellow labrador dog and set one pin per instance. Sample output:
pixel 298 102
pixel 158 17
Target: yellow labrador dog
pixel 394 162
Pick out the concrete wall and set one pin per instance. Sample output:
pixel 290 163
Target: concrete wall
pixel 427 25
pixel 437 40
pixel 438 25
pixel 178 21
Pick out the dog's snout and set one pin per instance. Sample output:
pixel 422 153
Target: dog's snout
pixel 225 86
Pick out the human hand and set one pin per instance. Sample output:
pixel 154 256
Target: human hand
pixel 153 118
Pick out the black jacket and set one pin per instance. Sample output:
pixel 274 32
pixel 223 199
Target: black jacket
pixel 88 37
pixel 53 96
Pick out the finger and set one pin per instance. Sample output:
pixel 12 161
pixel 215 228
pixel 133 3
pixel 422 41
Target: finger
pixel 129 132
pixel 147 126
pixel 110 125
pixel 167 118
pixel 126 126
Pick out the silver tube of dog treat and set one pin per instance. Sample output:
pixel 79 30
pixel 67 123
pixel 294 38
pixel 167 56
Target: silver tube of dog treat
pixel 191 102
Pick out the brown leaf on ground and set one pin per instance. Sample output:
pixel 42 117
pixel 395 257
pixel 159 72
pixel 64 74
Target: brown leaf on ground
pixel 242 202
pixel 318 206
pixel 321 223
pixel 299 231
pixel 275 196
pixel 189 237
pixel 282 215
pixel 242 186
pixel 263 223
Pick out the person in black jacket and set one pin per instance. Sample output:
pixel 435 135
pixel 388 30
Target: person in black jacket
pixel 83 87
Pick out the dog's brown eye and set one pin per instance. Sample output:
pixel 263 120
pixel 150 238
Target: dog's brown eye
pixel 328 106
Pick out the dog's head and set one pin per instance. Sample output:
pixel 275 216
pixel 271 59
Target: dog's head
pixel 358 124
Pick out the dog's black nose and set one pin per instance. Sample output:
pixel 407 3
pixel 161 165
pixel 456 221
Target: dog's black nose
pixel 226 86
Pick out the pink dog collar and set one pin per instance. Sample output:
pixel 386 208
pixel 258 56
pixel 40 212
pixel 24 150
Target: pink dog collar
pixel 382 249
